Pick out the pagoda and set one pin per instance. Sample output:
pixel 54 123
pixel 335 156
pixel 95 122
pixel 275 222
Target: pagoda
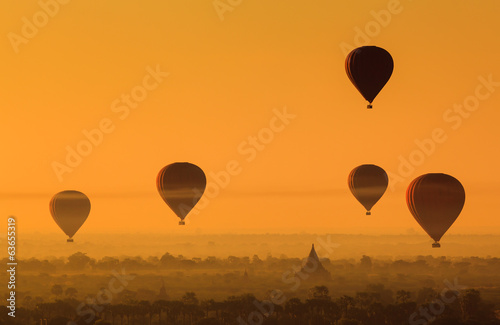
pixel 313 270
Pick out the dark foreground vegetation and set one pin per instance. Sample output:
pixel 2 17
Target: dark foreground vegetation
pixel 368 307
pixel 250 290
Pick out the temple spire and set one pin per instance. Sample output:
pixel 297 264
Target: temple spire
pixel 313 267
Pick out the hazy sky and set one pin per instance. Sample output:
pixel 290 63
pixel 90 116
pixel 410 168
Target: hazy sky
pixel 173 81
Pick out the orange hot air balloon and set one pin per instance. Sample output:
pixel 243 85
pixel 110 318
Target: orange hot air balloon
pixel 368 183
pixel 435 200
pixel 69 209
pixel 369 68
pixel 181 185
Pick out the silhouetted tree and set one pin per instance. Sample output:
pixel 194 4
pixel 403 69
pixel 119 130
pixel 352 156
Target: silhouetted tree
pixel 402 296
pixel 426 295
pixel 56 290
pixel 189 298
pixel 207 305
pixel 346 303
pixel 78 261
pixel 71 292
pixel 295 310
pixel 28 302
pixel 365 299
pixel 256 260
pixel 159 306
pixel 474 310
pixel 175 309
pixel 366 263
pixel 319 292
pixel 400 313
pixel 168 260
pixel 386 295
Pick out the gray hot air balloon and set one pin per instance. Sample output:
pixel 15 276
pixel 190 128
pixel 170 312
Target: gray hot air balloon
pixel 69 209
pixel 368 183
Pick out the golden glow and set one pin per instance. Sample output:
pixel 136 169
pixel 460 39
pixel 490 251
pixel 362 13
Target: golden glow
pixel 214 83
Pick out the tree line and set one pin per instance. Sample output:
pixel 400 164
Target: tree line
pixel 425 264
pixel 374 306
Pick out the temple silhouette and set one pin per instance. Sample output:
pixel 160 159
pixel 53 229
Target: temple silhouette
pixel 312 269
pixel 163 291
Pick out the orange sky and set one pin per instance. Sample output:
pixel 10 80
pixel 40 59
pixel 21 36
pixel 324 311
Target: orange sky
pixel 220 78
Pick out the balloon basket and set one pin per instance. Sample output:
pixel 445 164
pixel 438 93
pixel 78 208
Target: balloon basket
pixel 182 223
pixel 369 106
pixel 436 245
pixel 368 213
pixel 69 240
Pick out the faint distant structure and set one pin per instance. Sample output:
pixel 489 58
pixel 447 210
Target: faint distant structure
pixel 163 291
pixel 313 270
pixel 245 275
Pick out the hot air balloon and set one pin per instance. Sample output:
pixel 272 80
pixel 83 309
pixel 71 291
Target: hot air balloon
pixel 435 200
pixel 369 68
pixel 69 209
pixel 181 186
pixel 368 183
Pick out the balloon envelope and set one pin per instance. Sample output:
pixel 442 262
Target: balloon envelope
pixel 368 183
pixel 69 209
pixel 369 68
pixel 435 201
pixel 181 186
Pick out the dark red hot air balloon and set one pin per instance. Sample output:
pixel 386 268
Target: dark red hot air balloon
pixel 69 209
pixel 369 68
pixel 368 183
pixel 181 186
pixel 435 201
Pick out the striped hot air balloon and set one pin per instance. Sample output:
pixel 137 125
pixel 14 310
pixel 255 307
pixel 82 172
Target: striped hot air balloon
pixel 435 201
pixel 181 185
pixel 369 68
